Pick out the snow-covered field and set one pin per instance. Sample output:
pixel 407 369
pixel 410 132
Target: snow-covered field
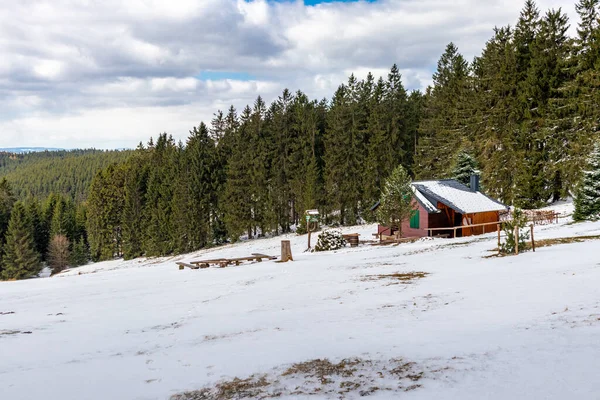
pixel 525 327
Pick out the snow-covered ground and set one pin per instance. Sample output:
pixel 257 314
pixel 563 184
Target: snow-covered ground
pixel 523 327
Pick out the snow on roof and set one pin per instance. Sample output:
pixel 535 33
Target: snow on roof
pixel 424 202
pixel 456 196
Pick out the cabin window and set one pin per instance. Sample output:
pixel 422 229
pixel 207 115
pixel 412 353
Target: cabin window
pixel 414 220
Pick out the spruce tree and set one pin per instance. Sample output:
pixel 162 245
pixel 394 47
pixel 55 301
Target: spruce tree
pixel 80 255
pixel 7 201
pixel 587 199
pixel 306 154
pixel 546 74
pixel 573 120
pixel 105 206
pixel 136 173
pixel 236 196
pixel 464 167
pixel 443 129
pixel 20 259
pixel 396 199
pixel 193 195
pixel 162 176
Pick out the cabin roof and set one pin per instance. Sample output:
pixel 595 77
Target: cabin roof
pixel 454 195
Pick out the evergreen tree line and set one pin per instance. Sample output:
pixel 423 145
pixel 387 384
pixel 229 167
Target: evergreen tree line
pixel 527 108
pixel 62 171
pixel 33 232
pixel 255 173
pixel 525 112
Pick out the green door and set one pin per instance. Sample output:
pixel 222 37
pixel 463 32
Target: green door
pixel 414 220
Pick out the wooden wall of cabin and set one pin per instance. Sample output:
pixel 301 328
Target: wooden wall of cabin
pixel 480 218
pixel 407 231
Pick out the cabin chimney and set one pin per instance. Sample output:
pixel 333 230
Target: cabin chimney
pixel 474 184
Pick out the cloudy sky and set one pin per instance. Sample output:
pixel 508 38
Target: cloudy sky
pixel 112 73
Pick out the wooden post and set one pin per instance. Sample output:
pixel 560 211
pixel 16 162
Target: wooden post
pixel 286 251
pixel 517 240
pixel 532 240
pixel 308 229
pixel 499 238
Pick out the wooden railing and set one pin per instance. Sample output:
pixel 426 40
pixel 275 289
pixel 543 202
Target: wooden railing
pixel 455 228
pixel 536 218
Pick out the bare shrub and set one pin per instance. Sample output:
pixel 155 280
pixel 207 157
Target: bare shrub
pixel 58 253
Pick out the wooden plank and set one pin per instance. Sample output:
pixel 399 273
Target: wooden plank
pixel 216 261
pixel 265 256
pixel 182 265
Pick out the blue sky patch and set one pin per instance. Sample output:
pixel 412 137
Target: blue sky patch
pixel 315 2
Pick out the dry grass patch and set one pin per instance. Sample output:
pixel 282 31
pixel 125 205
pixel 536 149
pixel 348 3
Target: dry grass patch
pixel 321 378
pixel 323 369
pixel 398 277
pixel 548 243
pixel 557 241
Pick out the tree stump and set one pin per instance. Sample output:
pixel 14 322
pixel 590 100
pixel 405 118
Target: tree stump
pixel 286 251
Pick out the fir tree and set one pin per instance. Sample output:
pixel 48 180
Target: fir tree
pixel 464 167
pixel 105 206
pixel 80 254
pixel 396 199
pixel 236 196
pixel 158 230
pixel 587 200
pixel 135 188
pixel 7 200
pixel 20 259
pixel 443 128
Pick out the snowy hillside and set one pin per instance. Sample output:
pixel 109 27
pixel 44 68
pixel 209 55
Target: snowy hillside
pixel 431 319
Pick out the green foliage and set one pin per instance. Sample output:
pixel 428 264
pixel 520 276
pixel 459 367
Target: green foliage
pixel 447 111
pixel 331 239
pixel 519 219
pixel 396 199
pixel 587 199
pixel 20 259
pixel 464 167
pixel 7 201
pixel 63 172
pixel 80 255
pixel 105 208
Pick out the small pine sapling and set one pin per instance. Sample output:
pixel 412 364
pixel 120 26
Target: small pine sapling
pixel 520 221
pixel 396 200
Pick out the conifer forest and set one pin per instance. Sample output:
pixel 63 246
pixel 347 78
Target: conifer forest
pixel 525 113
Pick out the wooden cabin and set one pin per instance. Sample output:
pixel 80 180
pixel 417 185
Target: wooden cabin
pixel 450 204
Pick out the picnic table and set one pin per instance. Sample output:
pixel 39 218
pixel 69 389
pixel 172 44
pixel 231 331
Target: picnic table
pixel 224 262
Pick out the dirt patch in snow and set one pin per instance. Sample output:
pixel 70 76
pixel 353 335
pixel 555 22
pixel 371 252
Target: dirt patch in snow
pixel 397 278
pixel 321 378
pixel 12 332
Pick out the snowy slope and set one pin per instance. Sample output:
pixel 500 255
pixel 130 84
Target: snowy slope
pixel 523 327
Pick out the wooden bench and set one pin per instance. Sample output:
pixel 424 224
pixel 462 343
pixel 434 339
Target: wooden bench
pixel 224 262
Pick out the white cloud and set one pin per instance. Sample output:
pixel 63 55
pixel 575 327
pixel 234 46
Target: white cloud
pixel 110 74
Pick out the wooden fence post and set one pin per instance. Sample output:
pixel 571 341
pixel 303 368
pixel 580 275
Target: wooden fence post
pixel 499 238
pixel 286 251
pixel 532 240
pixel 517 240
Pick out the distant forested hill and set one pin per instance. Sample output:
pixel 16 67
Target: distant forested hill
pixel 68 172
